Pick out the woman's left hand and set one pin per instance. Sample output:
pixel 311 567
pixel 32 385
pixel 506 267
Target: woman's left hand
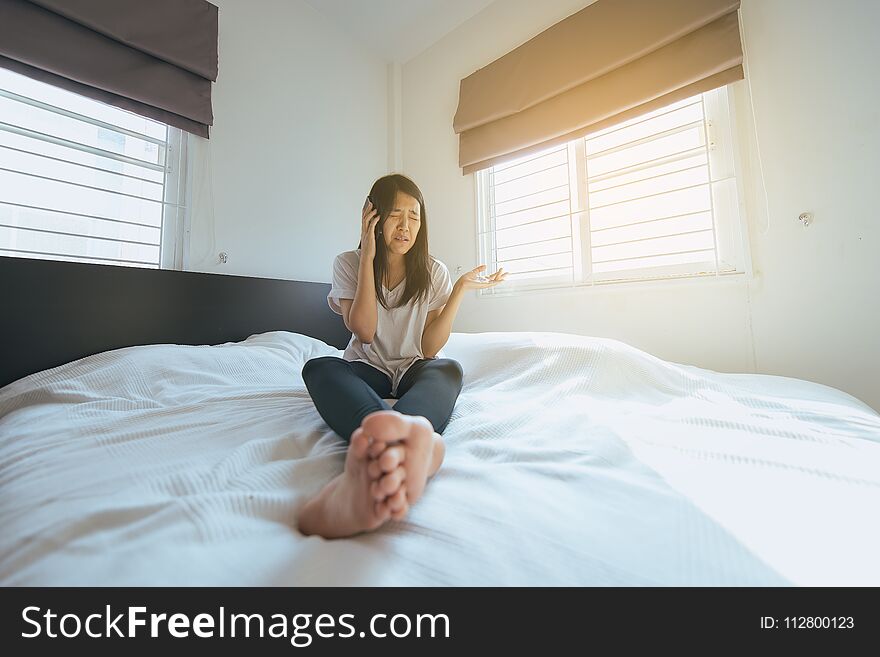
pixel 474 280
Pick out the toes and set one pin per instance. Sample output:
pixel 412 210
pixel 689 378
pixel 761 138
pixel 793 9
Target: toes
pixel 381 512
pixel 374 470
pixel 423 422
pixel 358 444
pixel 391 458
pixel 376 448
pixel 386 425
pixel 397 504
pixel 376 491
pixel 387 485
pixel 422 429
pixel 391 482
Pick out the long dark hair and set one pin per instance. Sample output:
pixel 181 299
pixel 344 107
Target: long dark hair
pixel 417 261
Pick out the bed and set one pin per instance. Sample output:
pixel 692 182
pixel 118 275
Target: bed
pixel 571 460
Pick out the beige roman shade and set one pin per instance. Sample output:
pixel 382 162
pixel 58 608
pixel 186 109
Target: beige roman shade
pixel 610 61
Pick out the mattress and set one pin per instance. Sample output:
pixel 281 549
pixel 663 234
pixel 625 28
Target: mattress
pixel 571 460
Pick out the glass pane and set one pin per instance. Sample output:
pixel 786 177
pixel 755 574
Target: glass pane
pixel 660 228
pixel 63 127
pixel 645 128
pixel 528 163
pixel 704 258
pixel 673 244
pixel 670 145
pixel 537 263
pixel 547 211
pixel 561 275
pixel 17 143
pixel 655 207
pixel 531 201
pixel 86 226
pixel 542 230
pixel 535 249
pixel 698 159
pixel 554 177
pixel 75 258
pixel 62 245
pixel 42 166
pixel 24 190
pixel 46 93
pixel 657 185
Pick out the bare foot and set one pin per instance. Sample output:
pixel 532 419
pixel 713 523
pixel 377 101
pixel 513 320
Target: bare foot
pixel 346 506
pixel 423 447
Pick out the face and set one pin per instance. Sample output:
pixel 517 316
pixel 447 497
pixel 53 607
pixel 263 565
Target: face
pixel 403 221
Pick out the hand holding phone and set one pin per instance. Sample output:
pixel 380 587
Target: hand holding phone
pixel 369 229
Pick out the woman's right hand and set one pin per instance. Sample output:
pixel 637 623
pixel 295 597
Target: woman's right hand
pixel 368 233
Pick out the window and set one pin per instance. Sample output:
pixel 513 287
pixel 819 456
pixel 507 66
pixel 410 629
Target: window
pixel 87 182
pixel 650 198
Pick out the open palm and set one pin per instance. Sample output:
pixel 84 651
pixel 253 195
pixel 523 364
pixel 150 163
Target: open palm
pixel 475 280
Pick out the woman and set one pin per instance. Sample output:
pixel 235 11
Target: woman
pixel 399 304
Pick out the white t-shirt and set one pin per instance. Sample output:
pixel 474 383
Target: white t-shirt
pixel 398 340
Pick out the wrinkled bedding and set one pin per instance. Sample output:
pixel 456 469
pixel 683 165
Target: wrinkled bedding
pixel 571 461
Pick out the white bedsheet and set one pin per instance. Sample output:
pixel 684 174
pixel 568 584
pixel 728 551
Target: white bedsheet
pixel 571 461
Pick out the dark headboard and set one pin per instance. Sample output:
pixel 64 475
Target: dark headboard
pixel 53 312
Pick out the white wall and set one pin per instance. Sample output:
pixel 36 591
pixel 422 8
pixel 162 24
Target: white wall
pixel 812 309
pixel 816 307
pixel 301 117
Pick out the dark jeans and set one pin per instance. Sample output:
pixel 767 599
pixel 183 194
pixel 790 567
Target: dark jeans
pixel 345 392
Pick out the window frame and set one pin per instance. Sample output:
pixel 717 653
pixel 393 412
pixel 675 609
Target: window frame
pixel 174 237
pixel 730 235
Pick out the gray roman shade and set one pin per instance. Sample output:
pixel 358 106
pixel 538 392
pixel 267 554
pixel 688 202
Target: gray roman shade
pixel 156 58
pixel 610 61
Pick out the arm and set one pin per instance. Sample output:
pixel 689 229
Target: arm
pixel 360 314
pixel 438 326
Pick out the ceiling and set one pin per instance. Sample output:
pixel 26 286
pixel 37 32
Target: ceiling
pixel 398 30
